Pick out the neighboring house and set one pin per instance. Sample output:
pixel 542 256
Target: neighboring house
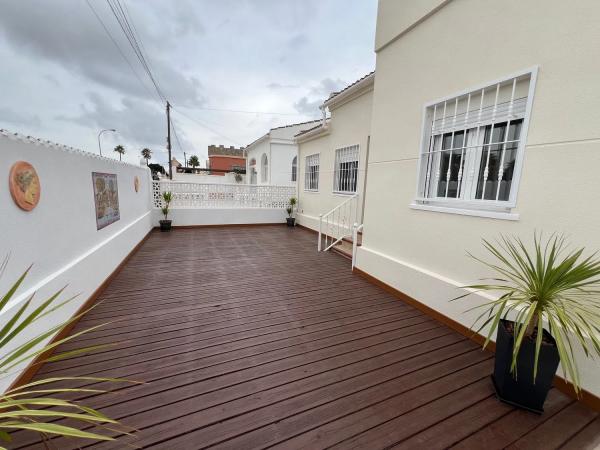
pixel 332 156
pixel 485 121
pixel 272 157
pixel 223 159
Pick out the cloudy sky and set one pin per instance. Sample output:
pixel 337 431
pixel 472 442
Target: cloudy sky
pixel 63 78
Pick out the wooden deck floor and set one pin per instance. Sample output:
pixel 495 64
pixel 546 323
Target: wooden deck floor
pixel 248 338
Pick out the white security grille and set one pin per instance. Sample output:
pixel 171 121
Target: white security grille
pixel 311 176
pixel 345 177
pixel 201 195
pixel 473 144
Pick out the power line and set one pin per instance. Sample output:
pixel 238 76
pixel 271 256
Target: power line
pixel 199 122
pixel 123 22
pixel 106 30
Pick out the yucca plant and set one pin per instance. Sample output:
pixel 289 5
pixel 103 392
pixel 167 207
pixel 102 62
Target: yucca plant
pixel 165 224
pixel 23 407
pixel 546 284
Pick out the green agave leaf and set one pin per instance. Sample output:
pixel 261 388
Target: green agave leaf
pixel 13 288
pixel 52 428
pixel 53 413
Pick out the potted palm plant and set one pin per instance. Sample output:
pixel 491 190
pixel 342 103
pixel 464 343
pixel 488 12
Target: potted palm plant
pixel 165 224
pixel 549 286
pixel 291 220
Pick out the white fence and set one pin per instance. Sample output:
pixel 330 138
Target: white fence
pixel 204 195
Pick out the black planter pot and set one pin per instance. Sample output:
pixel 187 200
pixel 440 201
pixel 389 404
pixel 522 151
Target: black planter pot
pixel 291 221
pixel 522 391
pixel 165 225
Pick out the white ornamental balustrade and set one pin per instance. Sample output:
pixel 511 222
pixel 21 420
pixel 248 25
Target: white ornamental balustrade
pixel 204 195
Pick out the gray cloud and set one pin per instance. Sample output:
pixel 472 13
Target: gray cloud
pixel 317 94
pixel 9 116
pixel 135 123
pixel 282 86
pixel 255 55
pixel 298 41
pixel 62 33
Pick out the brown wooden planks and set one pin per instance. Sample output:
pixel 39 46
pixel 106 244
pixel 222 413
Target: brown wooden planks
pixel 247 337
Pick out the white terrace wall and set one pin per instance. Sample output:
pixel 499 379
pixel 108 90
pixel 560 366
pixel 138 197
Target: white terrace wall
pixel 222 204
pixel 463 44
pixel 59 237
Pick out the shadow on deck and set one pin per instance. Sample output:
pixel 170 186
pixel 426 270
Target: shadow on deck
pixel 247 338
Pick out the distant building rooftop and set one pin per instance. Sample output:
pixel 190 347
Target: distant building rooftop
pixel 221 150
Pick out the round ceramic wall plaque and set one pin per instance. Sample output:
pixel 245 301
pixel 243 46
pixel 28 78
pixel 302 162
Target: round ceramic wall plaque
pixel 136 183
pixel 24 185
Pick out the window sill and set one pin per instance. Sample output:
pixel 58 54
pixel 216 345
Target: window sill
pixel 311 190
pixel 343 193
pixel 467 212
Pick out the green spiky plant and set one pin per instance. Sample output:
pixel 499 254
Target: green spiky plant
pixel 22 407
pixel 550 283
pixel 291 205
pixel 167 197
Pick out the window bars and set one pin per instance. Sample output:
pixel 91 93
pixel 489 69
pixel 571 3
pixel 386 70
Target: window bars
pixel 473 144
pixel 345 177
pixel 311 175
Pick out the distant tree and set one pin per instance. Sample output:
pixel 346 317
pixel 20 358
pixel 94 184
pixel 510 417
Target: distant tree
pixel 154 167
pixel 146 154
pixel 194 161
pixel 120 150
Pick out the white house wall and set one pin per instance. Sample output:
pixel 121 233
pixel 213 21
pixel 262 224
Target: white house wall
pixel 464 44
pixel 349 125
pixel 281 168
pixel 256 152
pixel 59 237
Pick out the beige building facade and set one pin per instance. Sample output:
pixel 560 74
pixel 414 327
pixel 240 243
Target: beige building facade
pixel 485 121
pixel 339 146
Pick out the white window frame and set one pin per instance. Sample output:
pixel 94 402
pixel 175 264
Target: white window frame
pixel 337 176
pixel 476 207
pixel 307 173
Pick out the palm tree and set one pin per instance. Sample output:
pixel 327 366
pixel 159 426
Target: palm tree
pixel 120 150
pixel 194 161
pixel 146 154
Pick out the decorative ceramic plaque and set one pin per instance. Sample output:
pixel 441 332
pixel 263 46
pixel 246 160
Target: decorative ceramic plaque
pixel 136 183
pixel 106 198
pixel 24 185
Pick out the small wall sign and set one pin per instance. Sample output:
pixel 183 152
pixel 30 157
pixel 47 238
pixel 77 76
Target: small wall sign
pixel 136 183
pixel 24 185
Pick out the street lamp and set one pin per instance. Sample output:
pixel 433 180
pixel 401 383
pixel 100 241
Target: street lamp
pixel 99 134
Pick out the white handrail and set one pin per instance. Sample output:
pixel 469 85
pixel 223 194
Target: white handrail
pixel 355 230
pixel 336 224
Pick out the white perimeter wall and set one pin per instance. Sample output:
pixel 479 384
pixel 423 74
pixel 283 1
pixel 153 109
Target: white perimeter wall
pixel 228 178
pixel 423 253
pixel 223 216
pixel 350 124
pixel 59 236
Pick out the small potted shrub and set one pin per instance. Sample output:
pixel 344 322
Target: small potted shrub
pixel 238 177
pixel 165 224
pixel 546 285
pixel 291 220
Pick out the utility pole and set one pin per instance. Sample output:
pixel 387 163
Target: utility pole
pixel 185 159
pixel 169 139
